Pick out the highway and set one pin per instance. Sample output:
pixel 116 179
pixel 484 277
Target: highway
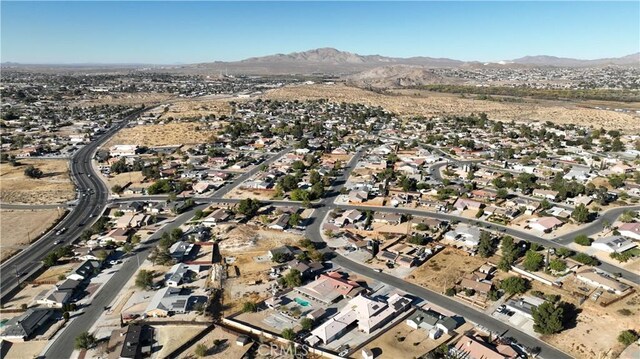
pixel 28 261
pixel 63 345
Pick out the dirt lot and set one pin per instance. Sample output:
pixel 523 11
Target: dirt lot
pixel 55 186
pixel 124 99
pixel 227 349
pixel 20 226
pixel 30 349
pixel 245 243
pixel 255 194
pixel 167 338
pixel 444 269
pixel 124 178
pixel 588 340
pixel 404 342
pixel 173 133
pixel 429 104
pixel 198 108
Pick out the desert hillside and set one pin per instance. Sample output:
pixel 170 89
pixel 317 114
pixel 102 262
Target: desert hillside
pixel 414 103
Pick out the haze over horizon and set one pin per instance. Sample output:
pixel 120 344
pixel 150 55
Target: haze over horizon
pixel 196 32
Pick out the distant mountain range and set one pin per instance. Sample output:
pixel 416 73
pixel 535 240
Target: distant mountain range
pixel 332 61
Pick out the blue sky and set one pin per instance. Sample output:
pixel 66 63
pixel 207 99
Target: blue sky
pixel 188 32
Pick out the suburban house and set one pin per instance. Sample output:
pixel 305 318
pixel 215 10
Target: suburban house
pixel 599 280
pixel 117 235
pixel 631 230
pixel 84 270
pixel 462 204
pixel 464 235
pixel 475 347
pixel 478 283
pixel 170 300
pixel 545 224
pixel 546 194
pixel 218 215
pixel 287 251
pixel 123 150
pixel 280 223
pixel 614 244
pixel 523 306
pixel 330 287
pixel 358 196
pixel 24 326
pixel 435 324
pixel 349 217
pixel 132 342
pixel 181 250
pixel 369 314
pixel 180 274
pixel 387 218
pixel 59 295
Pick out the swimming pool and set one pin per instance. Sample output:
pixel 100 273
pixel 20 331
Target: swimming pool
pixel 302 302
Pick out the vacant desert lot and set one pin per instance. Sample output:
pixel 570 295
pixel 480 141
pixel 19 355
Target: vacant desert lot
pixel 167 338
pixel 24 350
pixel 226 349
pixel 125 99
pixel 588 339
pixel 18 226
pixel 444 269
pixel 173 133
pixel 198 108
pixel 429 104
pixel 401 341
pixel 55 186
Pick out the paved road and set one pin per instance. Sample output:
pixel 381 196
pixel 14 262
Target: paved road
pixel 63 345
pixel 314 231
pixel 29 260
pixel 243 177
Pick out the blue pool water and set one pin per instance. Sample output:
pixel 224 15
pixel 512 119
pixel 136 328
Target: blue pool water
pixel 302 302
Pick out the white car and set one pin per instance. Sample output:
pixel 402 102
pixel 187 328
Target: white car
pixel 114 262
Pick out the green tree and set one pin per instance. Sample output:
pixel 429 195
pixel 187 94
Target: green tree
pixel 144 279
pixel 288 334
pixel 127 248
pixel 299 195
pixel 249 307
pixel 502 193
pixel 548 318
pixel 514 285
pixel 627 337
pixel 486 246
pixel 32 172
pixel 248 207
pixel 116 188
pixel 582 240
pixel 558 265
pixel 85 341
pixel 585 259
pixel 294 219
pixel 533 261
pixel 580 214
pixel 201 350
pixel 293 278
pixel 306 323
